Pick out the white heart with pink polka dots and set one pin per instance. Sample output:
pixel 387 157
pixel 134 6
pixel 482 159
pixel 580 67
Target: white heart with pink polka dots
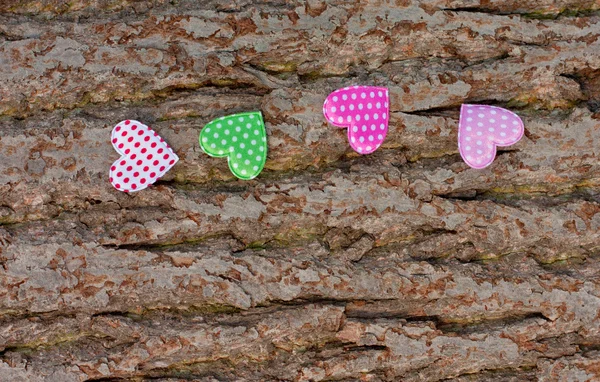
pixel 145 156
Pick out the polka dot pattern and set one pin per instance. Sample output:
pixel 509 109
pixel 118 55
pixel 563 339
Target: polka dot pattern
pixel 145 156
pixel 481 128
pixel 242 138
pixel 364 110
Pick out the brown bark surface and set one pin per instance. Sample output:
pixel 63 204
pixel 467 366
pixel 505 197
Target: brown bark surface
pixel 330 266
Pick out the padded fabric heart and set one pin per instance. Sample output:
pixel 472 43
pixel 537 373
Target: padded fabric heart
pixel 145 156
pixel 241 138
pixel 481 128
pixel 364 110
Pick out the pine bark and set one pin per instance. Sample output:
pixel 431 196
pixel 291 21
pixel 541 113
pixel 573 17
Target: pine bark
pixel 330 266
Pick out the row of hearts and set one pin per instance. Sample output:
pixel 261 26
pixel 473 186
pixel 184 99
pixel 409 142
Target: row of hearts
pixel 242 138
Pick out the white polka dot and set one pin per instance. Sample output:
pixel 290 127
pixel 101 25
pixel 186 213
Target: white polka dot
pixel 382 126
pixel 373 127
pixel 364 128
pixel 230 122
pixel 479 133
pixel 234 138
pixel 369 105
pixel 359 149
pixel 363 95
pixel 371 138
pixel 216 135
pixel 223 142
pixel 503 134
pixel 238 129
pixel 204 139
pixel 493 112
pixel 503 126
pixel 469 111
pixel 480 115
pixel 368 148
pixel 384 116
pixel 468 139
pixel 220 152
pixel 253 142
pixel 246 162
pixel 245 135
pixel 242 145
pixel 208 129
pixel 226 132
pixel 469 128
pixel 491 129
pixel 468 148
pixel 340 119
pixel 378 105
pixel 212 145
pixel 250 152
pixel 355 128
pixel 353 139
pixel 349 119
pixel 479 152
pixel 335 99
pixel 244 172
pixel 504 117
pixel 380 93
pixel 351 107
pixel 261 148
pixel 515 131
pixel 366 117
pixel 380 137
pixel 231 148
pixel 372 94
pixel 259 158
pixel 344 97
pixel 255 168
pixel 469 119
pixel 219 125
pixel 251 116
pixel 248 125
pixel 357 117
pixel 235 165
pixel 479 124
pixel 479 143
pixel 360 106
pixel 492 120
pixel 361 139
pixel 515 123
pixel 353 95
pixel 342 108
pixel 375 116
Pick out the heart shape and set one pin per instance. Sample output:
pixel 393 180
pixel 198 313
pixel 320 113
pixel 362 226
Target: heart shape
pixel 364 110
pixel 242 138
pixel 481 128
pixel 145 156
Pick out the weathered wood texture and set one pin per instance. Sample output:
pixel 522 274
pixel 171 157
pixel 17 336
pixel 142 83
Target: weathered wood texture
pixel 402 265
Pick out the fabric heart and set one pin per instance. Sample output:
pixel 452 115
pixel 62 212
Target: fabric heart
pixel 145 156
pixel 481 128
pixel 242 138
pixel 364 110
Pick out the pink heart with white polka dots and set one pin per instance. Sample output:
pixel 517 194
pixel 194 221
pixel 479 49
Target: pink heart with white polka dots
pixel 364 110
pixel 481 128
pixel 145 156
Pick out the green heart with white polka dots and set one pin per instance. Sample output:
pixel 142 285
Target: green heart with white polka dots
pixel 242 138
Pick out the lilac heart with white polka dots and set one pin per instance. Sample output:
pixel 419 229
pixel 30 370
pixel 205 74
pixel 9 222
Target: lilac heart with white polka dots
pixel 364 110
pixel 481 128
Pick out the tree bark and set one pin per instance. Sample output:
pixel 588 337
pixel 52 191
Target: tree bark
pixel 330 266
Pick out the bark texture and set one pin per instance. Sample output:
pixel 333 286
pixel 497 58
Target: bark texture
pixel 401 265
